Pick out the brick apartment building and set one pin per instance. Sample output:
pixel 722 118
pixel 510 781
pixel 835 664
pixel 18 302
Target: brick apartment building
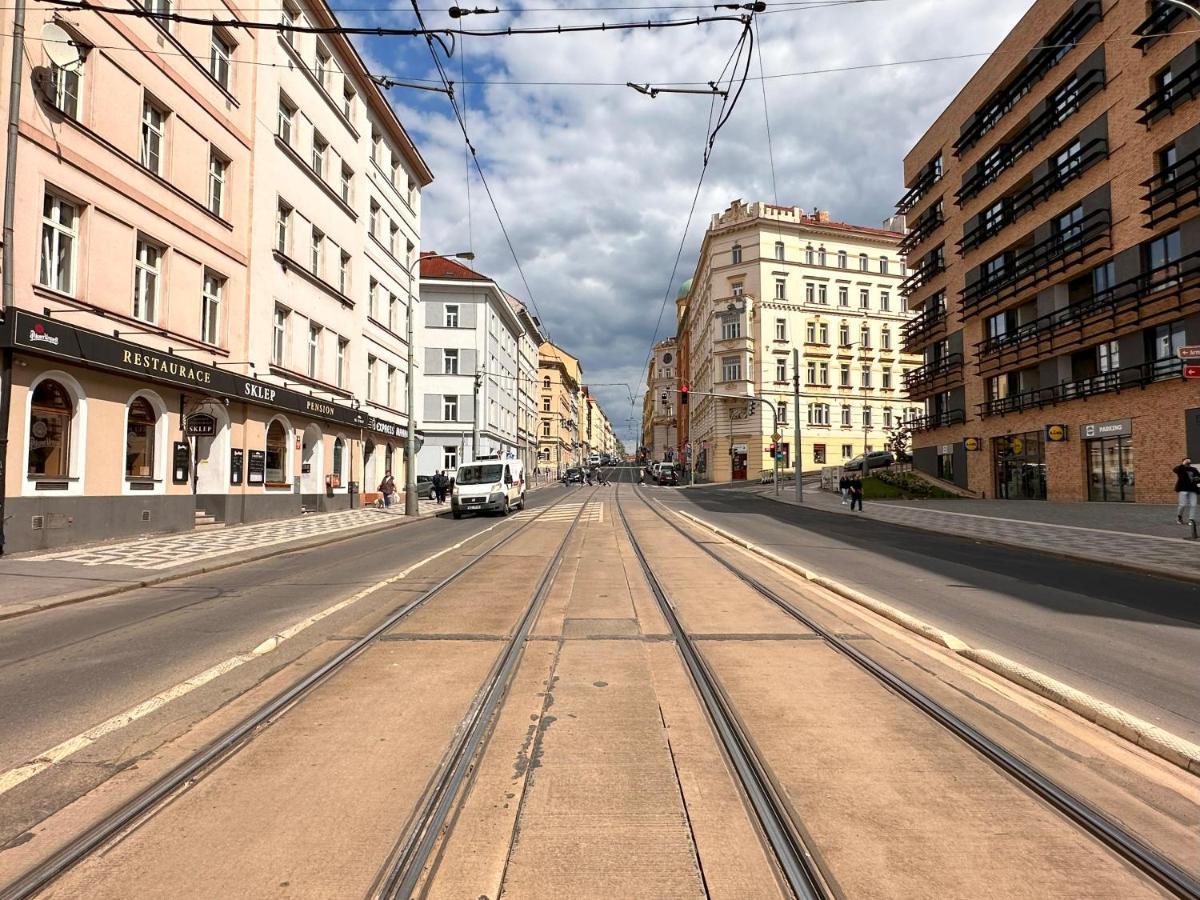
pixel 1054 250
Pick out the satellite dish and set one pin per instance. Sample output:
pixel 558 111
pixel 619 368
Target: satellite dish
pixel 60 46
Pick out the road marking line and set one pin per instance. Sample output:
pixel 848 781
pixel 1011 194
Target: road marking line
pixel 71 746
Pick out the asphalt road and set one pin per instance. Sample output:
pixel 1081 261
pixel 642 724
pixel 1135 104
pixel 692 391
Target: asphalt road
pixel 64 670
pixel 1132 640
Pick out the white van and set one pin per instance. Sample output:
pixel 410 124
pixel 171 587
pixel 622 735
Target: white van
pixel 594 459
pixel 489 484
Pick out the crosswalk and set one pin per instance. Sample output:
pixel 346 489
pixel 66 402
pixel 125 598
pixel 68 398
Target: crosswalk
pixel 566 512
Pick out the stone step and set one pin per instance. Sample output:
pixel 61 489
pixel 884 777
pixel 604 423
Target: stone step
pixel 208 525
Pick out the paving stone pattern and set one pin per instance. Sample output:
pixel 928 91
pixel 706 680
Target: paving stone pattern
pixel 169 551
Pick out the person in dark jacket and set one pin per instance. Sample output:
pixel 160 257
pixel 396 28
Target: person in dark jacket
pixel 856 494
pixel 1187 486
pixel 844 489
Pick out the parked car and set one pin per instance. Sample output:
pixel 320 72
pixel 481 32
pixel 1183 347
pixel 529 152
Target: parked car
pixel 425 487
pixel 573 476
pixel 668 475
pixel 876 459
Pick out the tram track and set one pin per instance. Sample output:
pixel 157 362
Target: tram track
pixel 1111 834
pixel 211 755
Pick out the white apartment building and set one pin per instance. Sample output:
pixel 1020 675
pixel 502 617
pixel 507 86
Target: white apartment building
pixel 468 384
pixel 337 232
pixel 527 388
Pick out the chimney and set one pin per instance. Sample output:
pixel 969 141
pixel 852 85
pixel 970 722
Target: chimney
pixel 822 216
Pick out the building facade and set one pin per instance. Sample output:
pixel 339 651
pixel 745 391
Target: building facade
pixel 769 280
pixel 1055 257
pixel 660 409
pixel 470 335
pixel 560 442
pixel 527 386
pixel 145 391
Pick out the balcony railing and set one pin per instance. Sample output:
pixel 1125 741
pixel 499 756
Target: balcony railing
pixel 1162 19
pixel 926 270
pixel 1034 132
pixel 1038 191
pixel 1173 190
pixel 928 177
pixel 931 372
pixel 929 222
pixel 1057 44
pixel 1162 282
pixel 1039 257
pixel 1105 383
pixel 916 330
pixel 1169 97
pixel 931 421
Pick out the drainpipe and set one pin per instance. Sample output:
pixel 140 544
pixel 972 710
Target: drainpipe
pixel 10 185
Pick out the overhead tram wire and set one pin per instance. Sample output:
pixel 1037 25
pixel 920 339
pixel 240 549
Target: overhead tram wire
pixel 762 81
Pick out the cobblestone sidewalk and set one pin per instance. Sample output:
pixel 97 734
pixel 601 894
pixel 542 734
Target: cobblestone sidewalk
pixel 1153 552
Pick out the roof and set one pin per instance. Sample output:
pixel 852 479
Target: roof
pixel 434 266
pixel 846 226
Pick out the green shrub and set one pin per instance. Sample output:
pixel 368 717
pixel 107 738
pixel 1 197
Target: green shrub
pixel 885 485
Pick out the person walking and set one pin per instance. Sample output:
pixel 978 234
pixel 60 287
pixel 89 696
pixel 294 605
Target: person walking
pixel 844 488
pixel 1187 486
pixel 856 494
pixel 439 486
pixel 387 487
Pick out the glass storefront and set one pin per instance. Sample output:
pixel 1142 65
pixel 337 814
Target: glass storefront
pixel 1110 469
pixel 1020 466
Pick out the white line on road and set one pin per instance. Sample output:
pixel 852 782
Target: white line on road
pixel 56 754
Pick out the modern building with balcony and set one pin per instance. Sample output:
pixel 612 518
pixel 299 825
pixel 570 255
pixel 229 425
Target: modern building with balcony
pixel 1055 256
pixel 771 279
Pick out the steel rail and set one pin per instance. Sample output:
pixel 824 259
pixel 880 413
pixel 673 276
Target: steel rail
pixel 1150 861
pixel 399 878
pixel 39 876
pixel 796 863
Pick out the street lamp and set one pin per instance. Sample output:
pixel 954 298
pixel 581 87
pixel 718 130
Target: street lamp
pixel 410 446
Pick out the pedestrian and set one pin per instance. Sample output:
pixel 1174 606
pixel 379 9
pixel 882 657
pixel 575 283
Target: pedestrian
pixel 439 486
pixel 1187 486
pixel 856 494
pixel 387 487
pixel 844 488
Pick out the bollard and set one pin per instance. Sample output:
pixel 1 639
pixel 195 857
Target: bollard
pixel 1192 522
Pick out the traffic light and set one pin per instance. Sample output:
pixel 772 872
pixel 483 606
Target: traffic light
pixel 664 398
pixel 771 449
pixel 683 395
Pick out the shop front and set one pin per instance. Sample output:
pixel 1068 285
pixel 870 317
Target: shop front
pixel 1109 461
pixel 1020 466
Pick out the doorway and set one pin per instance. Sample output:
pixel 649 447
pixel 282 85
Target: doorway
pixel 738 458
pixel 1020 466
pixel 312 461
pixel 1110 469
pixel 210 473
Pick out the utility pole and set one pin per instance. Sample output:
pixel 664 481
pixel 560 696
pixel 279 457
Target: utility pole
pixel 10 186
pixel 796 427
pixel 475 424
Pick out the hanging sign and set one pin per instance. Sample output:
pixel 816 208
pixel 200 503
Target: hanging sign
pixel 200 425
pixel 972 444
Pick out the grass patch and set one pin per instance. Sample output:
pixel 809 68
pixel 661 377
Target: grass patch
pixel 902 486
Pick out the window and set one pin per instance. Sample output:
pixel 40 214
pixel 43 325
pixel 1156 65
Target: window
pixel 314 349
pixel 863 262
pixel 450 320
pixel 887 417
pixel 823 294
pixel 51 412
pixel 821 257
pixel 219 59
pixel 288 21
pixel 372 294
pixel 781 329
pixel 371 361
pixel 60 230
pixel 393 312
pixel 154 125
pixel 885 338
pixel 339 457
pixel 319 147
pixel 731 368
pixel 277 450
pixel 810 292
pixel 449 362
pixel 818 414
pixel 373 221
pixel 450 408
pixel 844 335
pixel 812 373
pixel 780 289
pixel 343 346
pixel 286 121
pixel 1162 83
pixel 315 250
pixel 546 383
pixel 278 335
pixel 1165 341
pixel 66 85
pixel 347 183
pixel 344 273
pixel 779 249
pixel 864 299
pixel 847 450
pixel 324 66
pixel 883 265
pixel 781 368
pixel 396 170
pixel 808 255
pixel 844 380
pixel 731 328
pixel 210 308
pixel 864 337
pixel 783 412
pixel 823 374
pixel 846 419
pixel 1108 356
pixel 1069 224
pixel 886 383
pixel 866 417
pixel 866 376
pixel 885 301
pixel 217 167
pixel 1166 159
pixel 819 453
pixel 376 146
pixel 146 270
pixel 1163 250
pixel 348 98
pixel 283 222
pixel 843 259
pixel 394 238
pixel 843 296
pixel 823 333
pixel 391 386
pixel 545 404
pixel 736 253
pixel 449 458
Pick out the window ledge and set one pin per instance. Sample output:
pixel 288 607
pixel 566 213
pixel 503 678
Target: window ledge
pixel 392 256
pixel 323 386
pixel 397 336
pixel 290 152
pixel 289 263
pixel 316 83
pixel 142 479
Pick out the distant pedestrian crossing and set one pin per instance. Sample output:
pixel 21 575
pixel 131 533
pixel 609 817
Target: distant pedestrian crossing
pixel 566 512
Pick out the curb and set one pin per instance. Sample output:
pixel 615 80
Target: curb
pixel 1149 737
pixel 1124 565
pixel 215 566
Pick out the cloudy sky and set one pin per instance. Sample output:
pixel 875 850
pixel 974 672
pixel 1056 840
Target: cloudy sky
pixel 594 180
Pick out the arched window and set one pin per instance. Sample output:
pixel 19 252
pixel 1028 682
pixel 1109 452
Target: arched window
pixel 139 439
pixel 737 253
pixel 277 451
pixel 546 382
pixel 808 255
pixel 821 257
pixel 50 416
pixel 843 260
pixel 339 455
pixel 883 265
pixel 862 262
